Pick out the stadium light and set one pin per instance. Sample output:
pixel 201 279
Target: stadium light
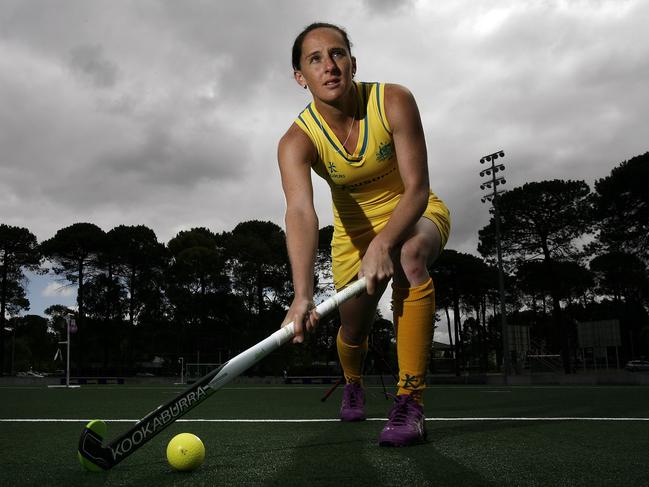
pixel 492 197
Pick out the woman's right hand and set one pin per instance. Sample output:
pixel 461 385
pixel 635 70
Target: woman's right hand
pixel 302 313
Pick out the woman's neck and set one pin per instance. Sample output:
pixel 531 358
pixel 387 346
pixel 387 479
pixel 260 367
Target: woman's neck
pixel 339 111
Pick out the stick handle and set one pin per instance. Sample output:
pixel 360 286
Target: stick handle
pixel 326 307
pixel 246 359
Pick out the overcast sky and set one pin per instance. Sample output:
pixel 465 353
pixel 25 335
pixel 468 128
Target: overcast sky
pixel 168 113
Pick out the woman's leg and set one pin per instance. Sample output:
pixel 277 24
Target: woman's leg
pixel 357 316
pixel 413 303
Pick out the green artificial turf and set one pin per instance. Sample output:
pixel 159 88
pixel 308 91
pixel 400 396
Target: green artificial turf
pixel 495 452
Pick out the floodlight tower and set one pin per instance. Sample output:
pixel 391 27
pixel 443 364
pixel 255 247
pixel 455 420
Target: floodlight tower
pixel 492 183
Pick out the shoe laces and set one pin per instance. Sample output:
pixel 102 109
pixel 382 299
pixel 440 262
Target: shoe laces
pixel 403 409
pixel 352 395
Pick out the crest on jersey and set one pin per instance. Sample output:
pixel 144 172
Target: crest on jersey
pixel 385 152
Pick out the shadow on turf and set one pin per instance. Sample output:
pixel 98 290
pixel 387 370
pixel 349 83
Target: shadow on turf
pixel 458 429
pixel 327 459
pixel 333 462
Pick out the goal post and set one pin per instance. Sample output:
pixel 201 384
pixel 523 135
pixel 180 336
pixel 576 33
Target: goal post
pixel 194 371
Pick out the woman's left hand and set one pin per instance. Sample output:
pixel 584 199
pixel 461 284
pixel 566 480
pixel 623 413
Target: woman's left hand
pixel 376 266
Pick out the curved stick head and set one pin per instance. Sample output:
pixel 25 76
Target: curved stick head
pixel 93 455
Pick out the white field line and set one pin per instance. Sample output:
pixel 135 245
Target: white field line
pixel 324 420
pixel 302 387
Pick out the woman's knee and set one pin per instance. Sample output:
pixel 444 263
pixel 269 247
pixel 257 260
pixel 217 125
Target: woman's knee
pixel 352 336
pixel 417 253
pixel 413 260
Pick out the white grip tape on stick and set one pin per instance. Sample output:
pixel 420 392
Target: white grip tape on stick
pixel 287 332
pixel 328 305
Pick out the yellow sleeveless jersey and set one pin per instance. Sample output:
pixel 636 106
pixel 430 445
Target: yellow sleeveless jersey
pixel 365 185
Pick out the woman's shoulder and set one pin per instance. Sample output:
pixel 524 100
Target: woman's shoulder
pixel 294 135
pixel 399 103
pixel 392 93
pixel 394 90
pixel 296 140
pixel 392 87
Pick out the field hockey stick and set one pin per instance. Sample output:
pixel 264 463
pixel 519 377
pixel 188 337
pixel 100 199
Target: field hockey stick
pixel 96 455
pixel 332 389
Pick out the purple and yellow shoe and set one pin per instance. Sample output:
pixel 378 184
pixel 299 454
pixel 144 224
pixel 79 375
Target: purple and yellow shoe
pixel 406 423
pixel 353 405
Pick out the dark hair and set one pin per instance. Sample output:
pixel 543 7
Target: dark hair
pixel 297 45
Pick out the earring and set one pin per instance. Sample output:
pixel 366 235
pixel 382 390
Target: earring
pixel 305 87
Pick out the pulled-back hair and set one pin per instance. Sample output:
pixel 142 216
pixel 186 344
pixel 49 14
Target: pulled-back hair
pixel 297 45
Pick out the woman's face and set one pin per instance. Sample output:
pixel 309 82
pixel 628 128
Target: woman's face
pixel 326 65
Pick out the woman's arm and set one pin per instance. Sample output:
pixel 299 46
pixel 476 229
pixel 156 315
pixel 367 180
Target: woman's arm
pixel 410 147
pixel 295 155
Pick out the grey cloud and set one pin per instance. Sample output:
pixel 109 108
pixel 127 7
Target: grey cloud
pixel 255 36
pixel 199 93
pixel 168 160
pixel 388 7
pixel 93 64
pixel 55 26
pixel 161 163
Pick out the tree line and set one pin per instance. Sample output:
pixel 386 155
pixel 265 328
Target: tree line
pixel 570 254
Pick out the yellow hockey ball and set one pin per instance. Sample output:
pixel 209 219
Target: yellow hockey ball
pixel 185 452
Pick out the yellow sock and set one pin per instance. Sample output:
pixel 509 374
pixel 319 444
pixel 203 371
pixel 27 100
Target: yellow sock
pixel 351 358
pixel 414 310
